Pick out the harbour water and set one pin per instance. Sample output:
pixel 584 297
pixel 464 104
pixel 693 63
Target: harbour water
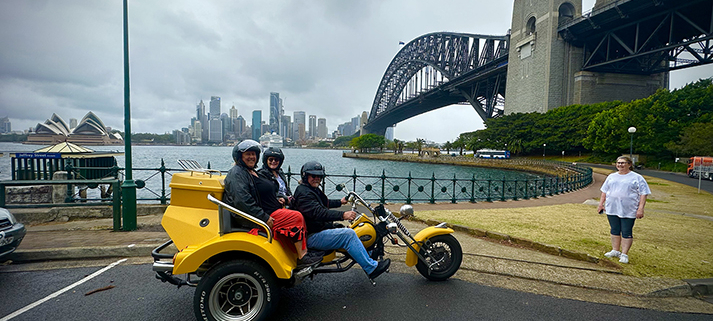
pixel 147 159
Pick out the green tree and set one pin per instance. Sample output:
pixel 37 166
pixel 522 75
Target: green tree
pixel 343 141
pixel 447 146
pixel 366 142
pixel 697 139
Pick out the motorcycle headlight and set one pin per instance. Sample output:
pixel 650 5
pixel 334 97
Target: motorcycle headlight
pixel 406 210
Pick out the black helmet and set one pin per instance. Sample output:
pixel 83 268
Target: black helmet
pixel 311 168
pixel 273 152
pixel 244 146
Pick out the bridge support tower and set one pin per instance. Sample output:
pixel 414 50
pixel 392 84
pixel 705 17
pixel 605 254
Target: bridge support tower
pixel 545 71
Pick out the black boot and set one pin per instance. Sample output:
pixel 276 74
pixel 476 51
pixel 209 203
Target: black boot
pixel 382 267
pixel 311 258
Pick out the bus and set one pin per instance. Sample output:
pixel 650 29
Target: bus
pixel 492 153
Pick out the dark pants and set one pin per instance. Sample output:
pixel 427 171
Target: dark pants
pixel 621 226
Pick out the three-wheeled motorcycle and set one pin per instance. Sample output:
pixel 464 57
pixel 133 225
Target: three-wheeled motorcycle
pixel 237 274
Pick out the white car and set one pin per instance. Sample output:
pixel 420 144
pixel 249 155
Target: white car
pixel 11 233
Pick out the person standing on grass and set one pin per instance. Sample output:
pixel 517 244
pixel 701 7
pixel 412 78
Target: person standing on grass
pixel 623 199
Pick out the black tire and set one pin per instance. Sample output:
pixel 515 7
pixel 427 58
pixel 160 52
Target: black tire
pixel 236 290
pixel 445 248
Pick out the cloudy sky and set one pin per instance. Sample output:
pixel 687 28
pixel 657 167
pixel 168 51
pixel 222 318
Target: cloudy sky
pixel 324 57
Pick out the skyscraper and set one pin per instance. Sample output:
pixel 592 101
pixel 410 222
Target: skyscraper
pixel 322 128
pixel 389 133
pixel 201 116
pixel 239 126
pixel 275 104
pixel 299 120
pixel 364 119
pixel 256 125
pixel 214 107
pixel 216 130
pixel 286 127
pixel 355 124
pixel 312 126
pixel 5 125
pixel 233 112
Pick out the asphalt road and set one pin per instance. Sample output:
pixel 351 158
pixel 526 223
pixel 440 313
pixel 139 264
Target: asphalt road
pixel 137 295
pixel 706 185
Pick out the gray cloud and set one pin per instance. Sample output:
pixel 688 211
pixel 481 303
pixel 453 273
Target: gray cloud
pixel 324 57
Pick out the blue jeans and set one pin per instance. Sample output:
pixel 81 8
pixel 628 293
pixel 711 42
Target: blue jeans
pixel 342 238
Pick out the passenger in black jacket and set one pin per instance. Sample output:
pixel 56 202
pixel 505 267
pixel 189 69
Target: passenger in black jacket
pixel 257 195
pixel 321 231
pixel 272 160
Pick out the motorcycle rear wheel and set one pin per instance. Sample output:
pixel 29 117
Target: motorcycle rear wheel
pixel 446 250
pixel 238 290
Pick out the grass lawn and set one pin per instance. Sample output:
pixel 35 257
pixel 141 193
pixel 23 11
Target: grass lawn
pixel 666 243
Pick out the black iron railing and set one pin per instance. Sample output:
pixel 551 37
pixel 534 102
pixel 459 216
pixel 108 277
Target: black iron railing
pixel 152 185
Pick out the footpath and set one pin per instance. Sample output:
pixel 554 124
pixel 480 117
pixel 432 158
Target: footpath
pixel 488 258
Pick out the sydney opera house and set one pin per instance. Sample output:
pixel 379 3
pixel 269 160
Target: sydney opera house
pixel 90 131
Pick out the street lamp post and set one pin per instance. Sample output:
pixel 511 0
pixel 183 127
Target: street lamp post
pixel 544 148
pixel 631 130
pixel 128 187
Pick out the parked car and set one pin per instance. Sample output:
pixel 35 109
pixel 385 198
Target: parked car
pixel 11 233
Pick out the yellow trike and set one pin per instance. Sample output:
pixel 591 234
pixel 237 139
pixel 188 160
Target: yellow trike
pixel 237 274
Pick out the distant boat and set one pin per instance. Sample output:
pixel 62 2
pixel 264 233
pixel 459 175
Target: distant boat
pixel 271 140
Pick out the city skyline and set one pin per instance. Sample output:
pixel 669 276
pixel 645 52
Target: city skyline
pixel 231 126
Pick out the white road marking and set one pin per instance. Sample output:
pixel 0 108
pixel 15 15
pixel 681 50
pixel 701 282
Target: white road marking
pixel 56 294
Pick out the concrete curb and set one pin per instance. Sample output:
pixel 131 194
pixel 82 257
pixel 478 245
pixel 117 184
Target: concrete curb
pixel 77 253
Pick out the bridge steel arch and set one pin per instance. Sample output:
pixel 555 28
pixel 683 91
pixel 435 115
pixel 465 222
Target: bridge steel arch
pixel 473 67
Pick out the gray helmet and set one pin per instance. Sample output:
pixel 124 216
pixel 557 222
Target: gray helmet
pixel 244 146
pixel 311 168
pixel 273 152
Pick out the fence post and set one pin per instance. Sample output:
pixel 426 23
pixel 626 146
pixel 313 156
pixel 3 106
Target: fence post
pixel 557 185
pixel 489 196
pixel 472 189
pixel 433 188
pixel 453 199
pixel 116 206
pixel 502 191
pixel 2 195
pixel 354 179
pixel 527 187
pixel 70 188
pixel 408 195
pixel 163 182
pixel 383 183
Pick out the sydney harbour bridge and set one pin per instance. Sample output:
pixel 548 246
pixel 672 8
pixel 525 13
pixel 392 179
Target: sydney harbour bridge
pixel 634 40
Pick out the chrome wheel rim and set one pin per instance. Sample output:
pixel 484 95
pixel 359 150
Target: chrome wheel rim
pixel 236 296
pixel 441 254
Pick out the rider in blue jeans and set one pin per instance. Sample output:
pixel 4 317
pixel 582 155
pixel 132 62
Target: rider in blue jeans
pixel 322 233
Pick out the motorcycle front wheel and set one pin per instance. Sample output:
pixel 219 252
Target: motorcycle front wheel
pixel 446 253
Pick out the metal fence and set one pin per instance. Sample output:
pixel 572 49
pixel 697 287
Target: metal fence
pixel 152 185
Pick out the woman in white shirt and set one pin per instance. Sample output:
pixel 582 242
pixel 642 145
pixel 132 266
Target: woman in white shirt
pixel 623 199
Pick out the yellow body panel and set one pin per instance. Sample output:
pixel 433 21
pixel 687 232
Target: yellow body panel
pixel 190 189
pixel 367 228
pixel 183 225
pixel 429 232
pixel 280 260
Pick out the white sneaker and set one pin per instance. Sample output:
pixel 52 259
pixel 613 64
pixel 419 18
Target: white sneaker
pixel 612 253
pixel 623 258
